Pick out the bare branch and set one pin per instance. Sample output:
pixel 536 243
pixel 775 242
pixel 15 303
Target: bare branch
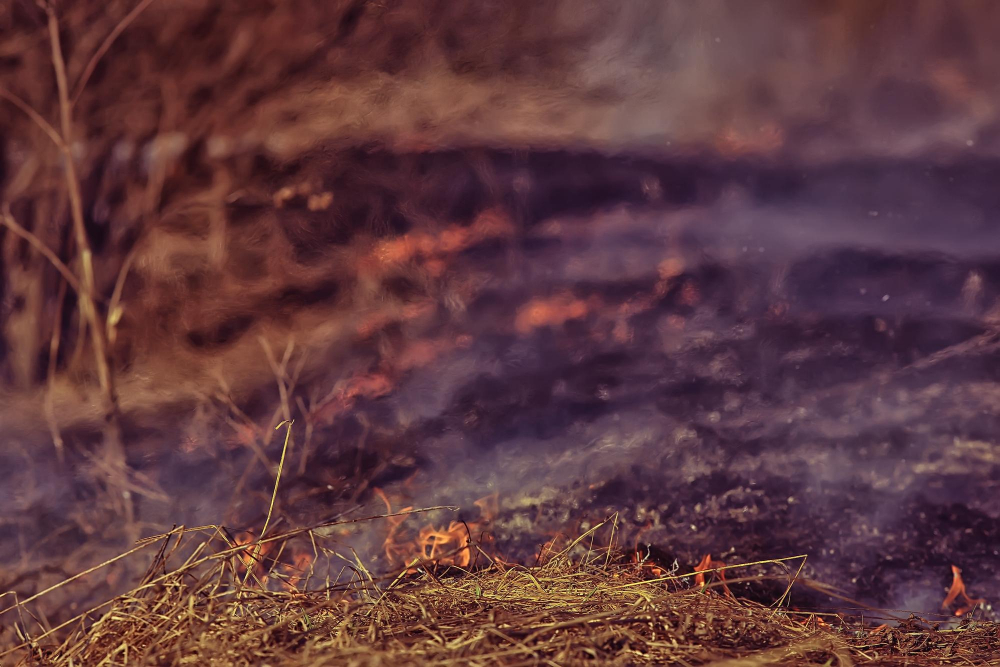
pixel 86 291
pixel 34 116
pixel 10 223
pixel 114 308
pixel 103 48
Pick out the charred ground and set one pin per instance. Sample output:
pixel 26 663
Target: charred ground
pixel 761 397
pixel 752 327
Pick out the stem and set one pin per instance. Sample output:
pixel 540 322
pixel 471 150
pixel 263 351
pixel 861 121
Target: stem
pixel 89 311
pixel 10 223
pixel 87 306
pixel 50 377
pixel 105 45
pixel 113 446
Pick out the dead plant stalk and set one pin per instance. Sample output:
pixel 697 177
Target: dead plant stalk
pixel 86 294
pixel 84 283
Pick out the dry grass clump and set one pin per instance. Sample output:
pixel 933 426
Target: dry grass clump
pixel 579 607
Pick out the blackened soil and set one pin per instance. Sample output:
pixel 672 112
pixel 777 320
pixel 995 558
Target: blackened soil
pixel 748 361
pixel 819 378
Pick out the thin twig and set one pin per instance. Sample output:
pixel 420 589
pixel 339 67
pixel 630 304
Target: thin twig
pixel 76 209
pixel 33 115
pixel 280 371
pixel 103 48
pixel 274 496
pixel 50 376
pixel 10 223
pixel 114 306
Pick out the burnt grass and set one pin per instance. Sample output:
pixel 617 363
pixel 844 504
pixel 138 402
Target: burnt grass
pixel 848 427
pixel 748 357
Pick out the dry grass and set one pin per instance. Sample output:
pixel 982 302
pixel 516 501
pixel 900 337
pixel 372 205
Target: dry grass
pixel 195 605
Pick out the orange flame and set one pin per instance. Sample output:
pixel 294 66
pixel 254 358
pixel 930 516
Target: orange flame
pixel 654 570
pixel 443 546
pixel 708 564
pixel 814 621
pixel 491 224
pixel 957 591
pixel 549 312
pixel 296 571
pixel 290 574
pixel 246 539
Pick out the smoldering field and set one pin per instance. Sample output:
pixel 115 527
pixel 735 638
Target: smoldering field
pixel 729 270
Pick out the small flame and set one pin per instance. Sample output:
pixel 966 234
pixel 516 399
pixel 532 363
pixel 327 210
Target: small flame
pixel 549 312
pixel 654 569
pixel 289 574
pixel 246 539
pixel 444 546
pixel 956 592
pixel 708 564
pixel 815 621
pixel 491 224
pixel 296 571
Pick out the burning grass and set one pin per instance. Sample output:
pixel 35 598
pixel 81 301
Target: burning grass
pixel 209 597
pixel 197 604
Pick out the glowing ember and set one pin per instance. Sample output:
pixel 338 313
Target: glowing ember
pixel 490 224
pixel 289 569
pixel 343 398
pixel 549 312
pixel 814 621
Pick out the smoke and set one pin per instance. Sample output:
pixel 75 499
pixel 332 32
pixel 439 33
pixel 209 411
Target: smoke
pixel 728 267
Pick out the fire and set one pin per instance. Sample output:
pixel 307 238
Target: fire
pixel 488 225
pixel 547 312
pixel 301 564
pixel 654 569
pixel 708 564
pixel 957 592
pixel 290 574
pixel 436 251
pixel 443 546
pixel 343 397
pixel 453 542
pixel 815 621
pixel 246 539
